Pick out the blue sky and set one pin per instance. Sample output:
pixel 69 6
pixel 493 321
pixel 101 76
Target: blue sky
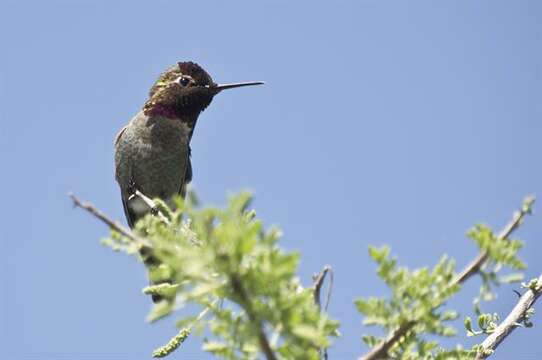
pixel 382 122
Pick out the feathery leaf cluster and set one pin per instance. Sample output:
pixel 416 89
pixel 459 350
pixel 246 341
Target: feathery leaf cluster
pixel 225 261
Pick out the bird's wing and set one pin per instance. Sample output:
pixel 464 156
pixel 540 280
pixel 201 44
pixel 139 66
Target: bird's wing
pixel 119 134
pixel 130 215
pixel 187 175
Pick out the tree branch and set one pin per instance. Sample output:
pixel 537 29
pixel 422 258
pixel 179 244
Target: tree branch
pixel 517 219
pixel 512 321
pixel 113 225
pixel 380 351
pixel 152 205
pixel 245 303
pixel 318 282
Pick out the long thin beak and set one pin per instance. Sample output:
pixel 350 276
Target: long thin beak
pixel 221 87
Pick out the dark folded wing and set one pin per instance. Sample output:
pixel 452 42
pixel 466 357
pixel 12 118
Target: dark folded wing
pixel 131 217
pixel 130 214
pixel 187 175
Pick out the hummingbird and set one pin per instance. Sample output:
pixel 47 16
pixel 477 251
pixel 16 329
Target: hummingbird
pixel 152 152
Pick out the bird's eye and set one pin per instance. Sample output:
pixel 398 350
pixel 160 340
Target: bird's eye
pixel 184 81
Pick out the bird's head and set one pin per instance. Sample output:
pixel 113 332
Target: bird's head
pixel 184 90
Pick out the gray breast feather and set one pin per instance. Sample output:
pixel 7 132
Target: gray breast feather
pixel 152 153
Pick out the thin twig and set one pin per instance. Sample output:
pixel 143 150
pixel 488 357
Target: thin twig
pixel 155 210
pixel 113 225
pixel 512 321
pixel 475 264
pixel 318 282
pixel 380 351
pixel 151 204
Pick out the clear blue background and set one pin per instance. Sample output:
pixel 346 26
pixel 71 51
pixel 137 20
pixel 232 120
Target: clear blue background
pixel 399 122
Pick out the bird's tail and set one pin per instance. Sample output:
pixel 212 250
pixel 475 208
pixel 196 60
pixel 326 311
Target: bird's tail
pixel 159 273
